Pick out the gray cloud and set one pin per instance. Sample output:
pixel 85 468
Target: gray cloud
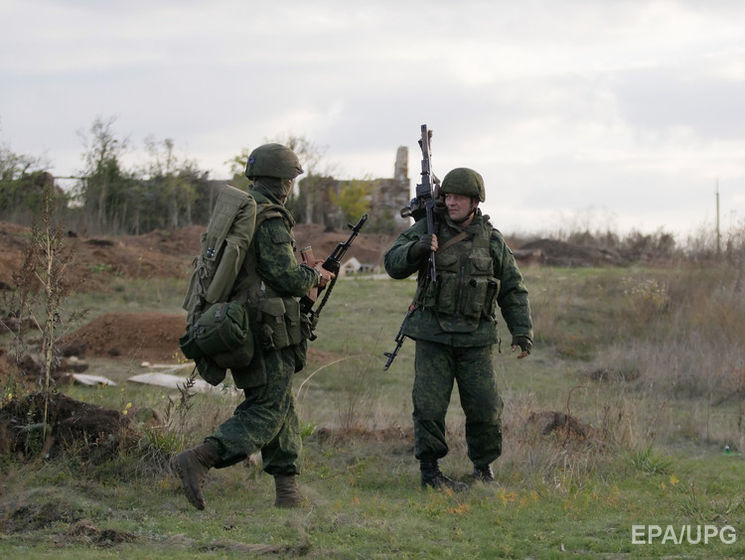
pixel 563 106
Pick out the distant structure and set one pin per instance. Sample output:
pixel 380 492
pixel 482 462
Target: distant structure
pixel 385 196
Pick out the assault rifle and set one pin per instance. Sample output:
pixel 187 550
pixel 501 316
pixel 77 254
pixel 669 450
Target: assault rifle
pixel 421 206
pixel 427 193
pixel 332 264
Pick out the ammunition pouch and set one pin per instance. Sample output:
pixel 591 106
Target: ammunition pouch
pixel 210 371
pixel 221 336
pixel 465 292
pixel 280 323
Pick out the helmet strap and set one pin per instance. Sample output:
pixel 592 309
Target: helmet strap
pixel 467 217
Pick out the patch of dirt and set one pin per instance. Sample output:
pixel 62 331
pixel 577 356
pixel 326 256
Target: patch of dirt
pixel 321 356
pixel 558 423
pixel 86 531
pixel 552 252
pixel 35 510
pixel 149 337
pixel 95 433
pixel 96 261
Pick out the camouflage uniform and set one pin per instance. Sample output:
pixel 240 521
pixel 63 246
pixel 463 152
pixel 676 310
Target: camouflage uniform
pixel 270 281
pixel 454 324
pixel 266 420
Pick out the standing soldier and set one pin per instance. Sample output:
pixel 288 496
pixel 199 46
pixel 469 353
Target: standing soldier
pixel 454 324
pixel 270 280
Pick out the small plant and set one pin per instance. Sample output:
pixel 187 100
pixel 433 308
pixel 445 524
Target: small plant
pixel 100 268
pixel 647 299
pixel 307 429
pixel 36 301
pixel 177 411
pixel 649 462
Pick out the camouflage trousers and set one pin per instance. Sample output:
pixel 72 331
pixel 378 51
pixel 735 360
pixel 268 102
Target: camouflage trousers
pixel 266 420
pixel 437 367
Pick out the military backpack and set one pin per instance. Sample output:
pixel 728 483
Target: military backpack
pixel 218 334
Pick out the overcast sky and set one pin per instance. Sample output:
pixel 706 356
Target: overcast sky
pixel 619 114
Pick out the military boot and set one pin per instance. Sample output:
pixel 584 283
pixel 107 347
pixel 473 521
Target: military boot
pixel 433 477
pixel 483 474
pixel 192 466
pixel 288 496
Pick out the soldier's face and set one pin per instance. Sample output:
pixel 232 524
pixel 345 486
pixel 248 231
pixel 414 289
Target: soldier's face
pixel 459 206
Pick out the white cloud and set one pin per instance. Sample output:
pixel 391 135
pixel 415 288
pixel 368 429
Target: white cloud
pixel 562 106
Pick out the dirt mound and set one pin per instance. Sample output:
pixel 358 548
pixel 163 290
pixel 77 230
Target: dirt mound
pixel 137 337
pixel 96 261
pixel 552 252
pixel 179 242
pixel 149 337
pixel 552 422
pixel 94 432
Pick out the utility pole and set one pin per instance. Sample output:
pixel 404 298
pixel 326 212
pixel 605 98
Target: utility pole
pixel 719 236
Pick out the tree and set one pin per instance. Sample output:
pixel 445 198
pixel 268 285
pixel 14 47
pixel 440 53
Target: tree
pixel 172 185
pixel 22 183
pixel 353 199
pixel 106 189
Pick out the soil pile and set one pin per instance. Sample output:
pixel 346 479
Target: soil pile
pixel 94 432
pixel 96 261
pixel 151 337
pixel 552 252
pixel 138 337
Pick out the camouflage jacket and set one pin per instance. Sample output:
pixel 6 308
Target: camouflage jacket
pixel 271 281
pixel 503 284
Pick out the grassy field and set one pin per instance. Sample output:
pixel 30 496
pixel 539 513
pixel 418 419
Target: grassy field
pixel 649 361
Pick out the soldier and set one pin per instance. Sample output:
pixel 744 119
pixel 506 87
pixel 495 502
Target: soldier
pixel 454 324
pixel 271 280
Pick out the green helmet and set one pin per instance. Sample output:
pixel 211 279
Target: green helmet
pixel 462 180
pixel 273 160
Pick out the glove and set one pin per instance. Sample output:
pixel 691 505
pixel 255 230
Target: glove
pixel 525 344
pixel 427 243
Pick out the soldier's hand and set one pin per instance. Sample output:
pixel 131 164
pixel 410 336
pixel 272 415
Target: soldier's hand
pixel 524 344
pixel 429 241
pixel 326 275
pixel 426 243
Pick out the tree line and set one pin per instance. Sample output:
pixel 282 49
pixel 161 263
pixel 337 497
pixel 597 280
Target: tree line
pixel 165 193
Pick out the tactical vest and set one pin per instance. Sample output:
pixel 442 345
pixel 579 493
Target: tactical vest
pixel 466 288
pixel 276 319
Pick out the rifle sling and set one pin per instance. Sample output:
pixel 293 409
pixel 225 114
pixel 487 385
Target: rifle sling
pixel 453 240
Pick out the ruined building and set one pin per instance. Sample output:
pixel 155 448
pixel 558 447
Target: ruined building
pixel 318 200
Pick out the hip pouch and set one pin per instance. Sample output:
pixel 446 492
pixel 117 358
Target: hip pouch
pixel 281 323
pixel 221 334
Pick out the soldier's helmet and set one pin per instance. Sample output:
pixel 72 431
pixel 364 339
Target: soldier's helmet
pixel 273 160
pixel 465 181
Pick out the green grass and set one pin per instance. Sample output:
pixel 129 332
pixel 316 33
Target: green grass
pixel 653 458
